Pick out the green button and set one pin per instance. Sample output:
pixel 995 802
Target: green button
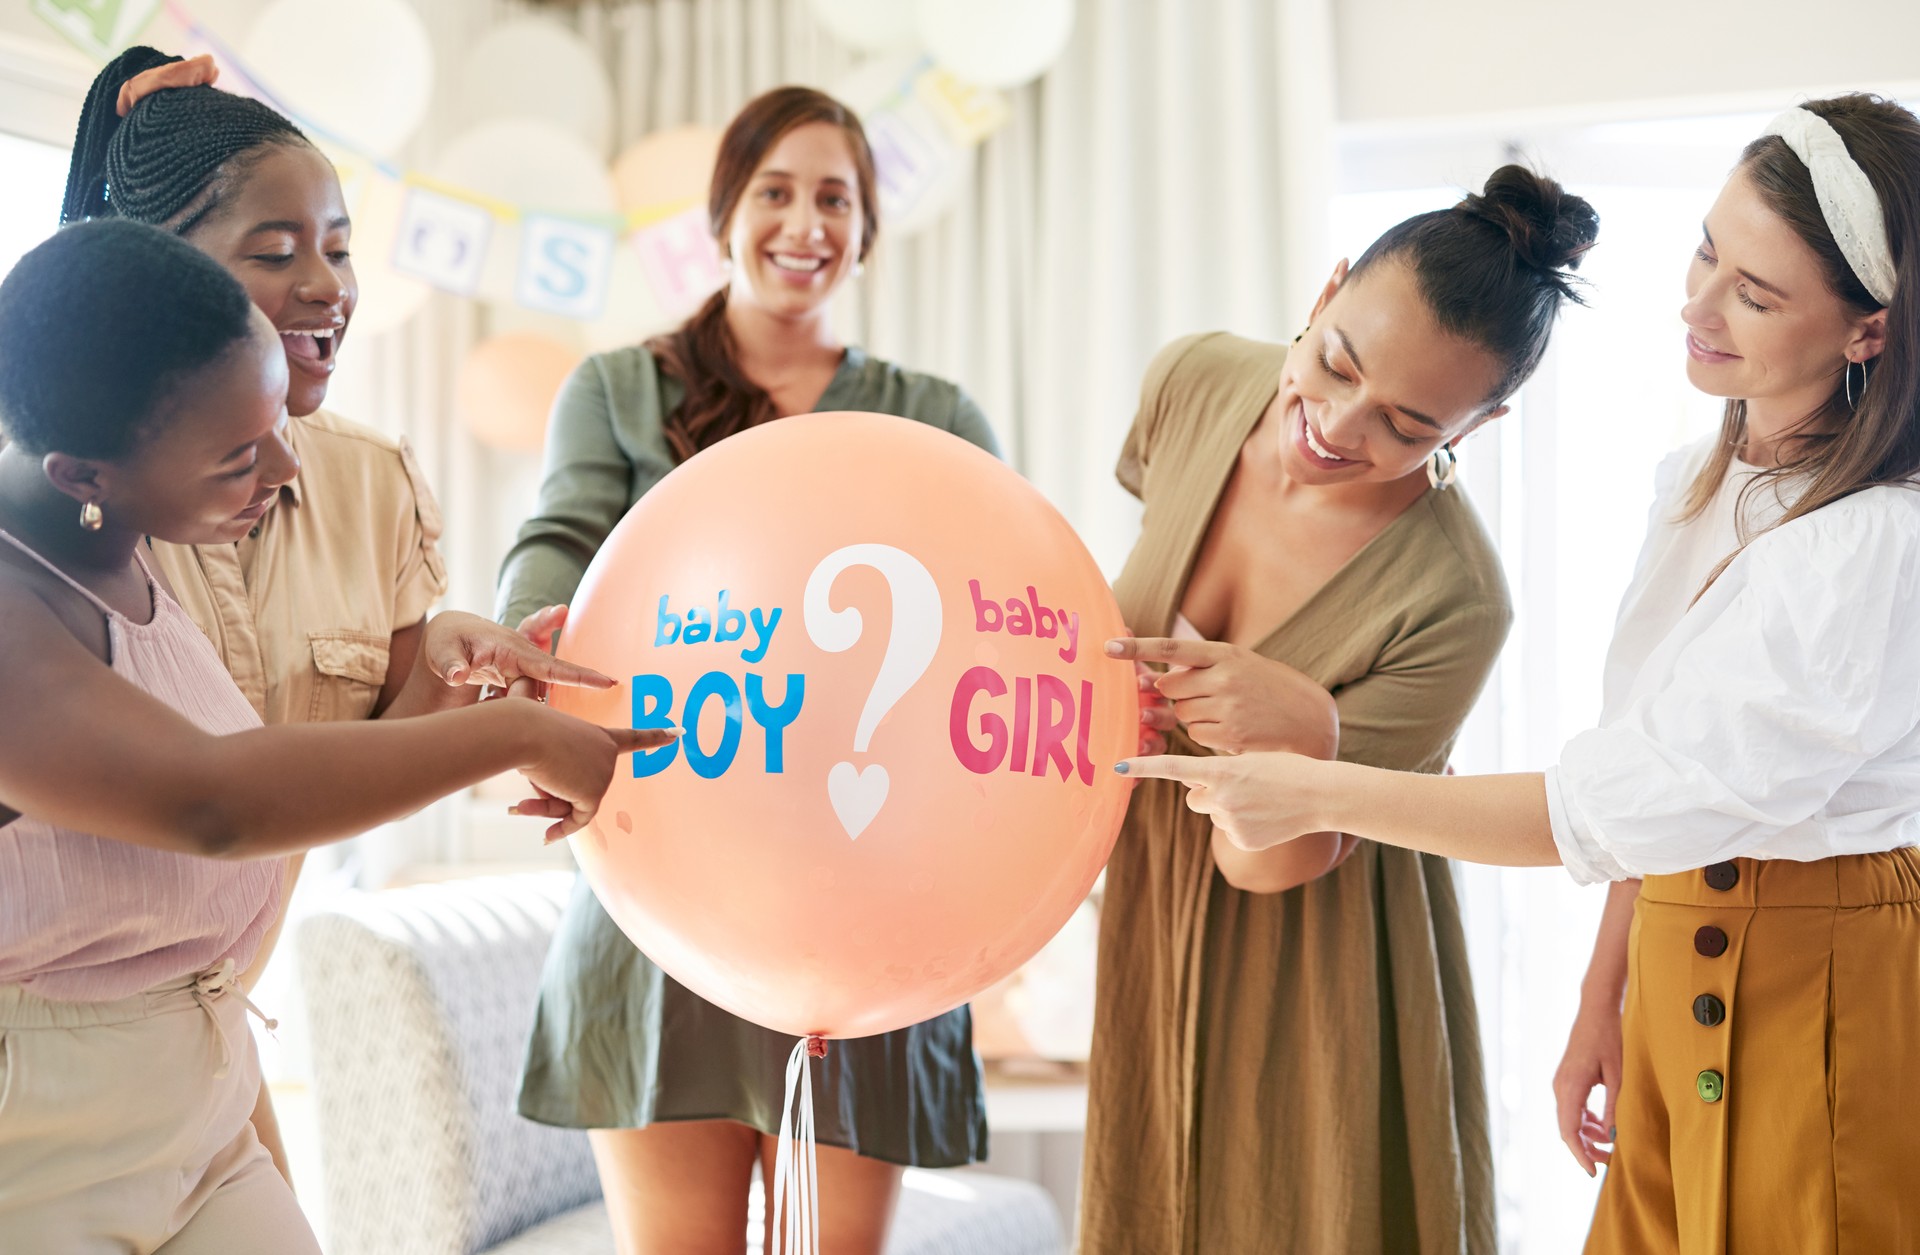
pixel 1711 1085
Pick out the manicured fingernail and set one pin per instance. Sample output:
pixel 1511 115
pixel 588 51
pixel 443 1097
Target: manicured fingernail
pixel 1116 648
pixel 1120 768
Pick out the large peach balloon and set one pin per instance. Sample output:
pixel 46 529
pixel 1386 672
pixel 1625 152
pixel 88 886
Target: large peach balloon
pixel 507 386
pixel 896 779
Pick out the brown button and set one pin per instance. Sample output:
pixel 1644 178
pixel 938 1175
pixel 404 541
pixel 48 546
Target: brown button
pixel 1709 1010
pixel 1710 941
pixel 1722 876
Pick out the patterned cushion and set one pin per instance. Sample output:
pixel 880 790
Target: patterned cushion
pixel 420 1001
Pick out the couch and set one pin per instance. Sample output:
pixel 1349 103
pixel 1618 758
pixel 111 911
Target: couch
pixel 420 1001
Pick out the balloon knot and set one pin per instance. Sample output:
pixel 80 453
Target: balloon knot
pixel 817 1047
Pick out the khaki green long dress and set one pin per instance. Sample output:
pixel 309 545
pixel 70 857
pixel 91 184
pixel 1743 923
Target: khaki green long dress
pixel 1292 1072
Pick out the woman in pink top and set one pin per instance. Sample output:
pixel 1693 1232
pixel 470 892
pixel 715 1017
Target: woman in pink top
pixel 139 797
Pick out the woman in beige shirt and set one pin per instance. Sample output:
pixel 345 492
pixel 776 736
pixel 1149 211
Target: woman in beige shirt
pixel 320 612
pixel 1285 1056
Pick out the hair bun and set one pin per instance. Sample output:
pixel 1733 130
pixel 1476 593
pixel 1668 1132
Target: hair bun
pixel 1548 226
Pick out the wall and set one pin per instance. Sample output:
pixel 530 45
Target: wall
pixel 1402 60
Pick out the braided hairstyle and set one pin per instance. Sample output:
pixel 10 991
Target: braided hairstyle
pixel 93 284
pixel 173 159
pixel 1494 268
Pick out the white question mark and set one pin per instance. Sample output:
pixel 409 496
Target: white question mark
pixel 857 795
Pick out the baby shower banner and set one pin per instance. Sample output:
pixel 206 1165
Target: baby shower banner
pixel 558 258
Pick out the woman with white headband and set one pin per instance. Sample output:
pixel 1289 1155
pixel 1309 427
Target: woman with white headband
pixel 1753 788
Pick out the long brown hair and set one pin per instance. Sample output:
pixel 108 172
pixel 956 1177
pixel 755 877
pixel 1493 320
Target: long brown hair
pixel 701 355
pixel 1842 448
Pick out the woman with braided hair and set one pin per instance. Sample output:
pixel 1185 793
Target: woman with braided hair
pixel 318 610
pixel 144 809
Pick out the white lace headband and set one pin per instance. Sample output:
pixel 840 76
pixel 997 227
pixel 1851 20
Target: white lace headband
pixel 1847 200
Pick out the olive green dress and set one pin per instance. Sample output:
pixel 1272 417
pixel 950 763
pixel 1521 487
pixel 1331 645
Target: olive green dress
pixel 617 1043
pixel 1296 1072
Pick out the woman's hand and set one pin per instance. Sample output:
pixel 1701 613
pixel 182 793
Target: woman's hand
pixel 542 627
pixel 1593 1058
pixel 462 649
pixel 573 764
pixel 1156 712
pixel 1255 800
pixel 1235 701
pixel 197 71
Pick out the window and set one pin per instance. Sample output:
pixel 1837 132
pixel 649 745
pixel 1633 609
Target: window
pixel 35 176
pixel 1563 482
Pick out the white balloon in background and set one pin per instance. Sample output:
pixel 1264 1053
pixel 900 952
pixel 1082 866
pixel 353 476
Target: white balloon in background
pixel 867 25
pixel 540 71
pixel 994 43
pixel 900 127
pixel 533 166
pixel 633 312
pixel 361 69
pixel 387 297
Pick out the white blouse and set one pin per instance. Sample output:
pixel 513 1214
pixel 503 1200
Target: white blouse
pixel 1777 717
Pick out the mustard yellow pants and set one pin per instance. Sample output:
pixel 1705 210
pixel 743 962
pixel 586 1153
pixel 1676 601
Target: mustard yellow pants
pixel 1770 1096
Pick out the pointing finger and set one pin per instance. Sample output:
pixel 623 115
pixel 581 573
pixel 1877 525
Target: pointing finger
pixel 550 670
pixel 1185 768
pixel 1178 653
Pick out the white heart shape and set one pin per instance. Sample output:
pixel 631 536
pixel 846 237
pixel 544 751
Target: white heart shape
pixel 857 795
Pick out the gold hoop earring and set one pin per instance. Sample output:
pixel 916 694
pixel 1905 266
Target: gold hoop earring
pixel 1443 467
pixel 92 518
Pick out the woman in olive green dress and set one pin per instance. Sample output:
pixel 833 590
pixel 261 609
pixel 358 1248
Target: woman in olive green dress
pixel 682 1097
pixel 1285 1056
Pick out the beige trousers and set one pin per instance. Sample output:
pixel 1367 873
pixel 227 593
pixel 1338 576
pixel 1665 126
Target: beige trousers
pixel 124 1127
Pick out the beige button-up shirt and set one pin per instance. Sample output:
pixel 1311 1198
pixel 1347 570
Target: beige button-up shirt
pixel 304 609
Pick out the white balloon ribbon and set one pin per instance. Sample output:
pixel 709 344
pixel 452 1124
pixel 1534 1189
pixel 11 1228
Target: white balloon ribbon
pixel 794 1198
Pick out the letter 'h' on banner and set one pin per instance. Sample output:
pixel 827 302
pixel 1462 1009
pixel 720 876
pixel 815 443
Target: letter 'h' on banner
pixel 681 260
